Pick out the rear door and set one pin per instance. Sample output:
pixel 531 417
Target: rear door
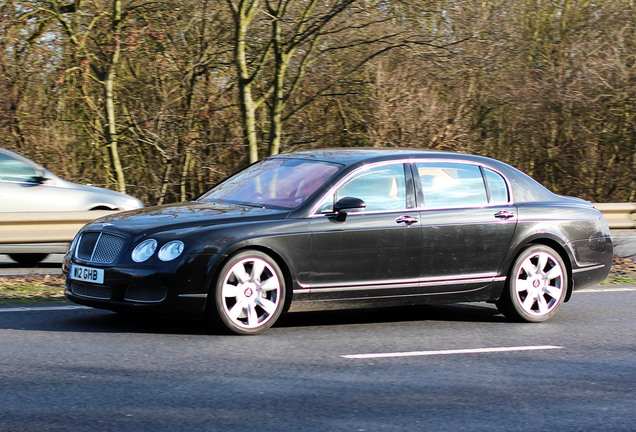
pixel 467 223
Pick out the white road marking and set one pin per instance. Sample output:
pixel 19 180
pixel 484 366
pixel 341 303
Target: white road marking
pixel 43 308
pixel 447 352
pixel 608 289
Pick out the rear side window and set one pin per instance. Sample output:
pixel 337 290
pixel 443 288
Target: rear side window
pixel 496 187
pixel 452 185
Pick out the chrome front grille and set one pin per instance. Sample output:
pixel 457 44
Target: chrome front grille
pixel 102 248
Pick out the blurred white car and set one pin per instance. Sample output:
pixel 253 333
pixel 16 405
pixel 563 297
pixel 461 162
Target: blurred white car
pixel 27 187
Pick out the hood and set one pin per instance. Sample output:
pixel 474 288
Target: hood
pixel 183 216
pixel 95 196
pixel 87 188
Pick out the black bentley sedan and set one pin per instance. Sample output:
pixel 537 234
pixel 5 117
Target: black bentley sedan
pixel 345 228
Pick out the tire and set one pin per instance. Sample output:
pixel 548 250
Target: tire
pixel 536 287
pixel 249 293
pixel 28 259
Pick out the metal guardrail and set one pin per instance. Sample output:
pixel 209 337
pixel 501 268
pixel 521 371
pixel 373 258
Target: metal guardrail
pixel 61 227
pixel 618 216
pixel 44 227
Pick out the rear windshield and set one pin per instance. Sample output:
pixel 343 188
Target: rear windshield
pixel 278 183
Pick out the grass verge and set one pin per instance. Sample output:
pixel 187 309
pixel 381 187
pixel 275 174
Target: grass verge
pixel 31 289
pixel 618 280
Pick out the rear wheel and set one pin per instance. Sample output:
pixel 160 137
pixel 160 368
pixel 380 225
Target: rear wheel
pixel 28 259
pixel 250 293
pixel 536 285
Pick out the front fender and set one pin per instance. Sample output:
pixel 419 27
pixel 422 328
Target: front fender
pixel 289 243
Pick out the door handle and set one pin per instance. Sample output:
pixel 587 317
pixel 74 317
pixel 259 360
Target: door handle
pixel 504 215
pixel 406 220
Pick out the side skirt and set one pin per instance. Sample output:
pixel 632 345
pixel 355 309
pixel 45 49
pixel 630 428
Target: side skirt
pixel 488 293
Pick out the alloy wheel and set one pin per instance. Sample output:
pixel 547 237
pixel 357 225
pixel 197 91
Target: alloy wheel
pixel 250 294
pixel 539 284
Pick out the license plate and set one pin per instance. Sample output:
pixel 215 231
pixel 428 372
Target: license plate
pixel 87 274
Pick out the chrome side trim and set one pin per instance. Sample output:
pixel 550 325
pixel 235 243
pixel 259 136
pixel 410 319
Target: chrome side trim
pixel 193 295
pixel 596 267
pixel 500 279
pixel 456 281
pixel 452 279
pixel 426 282
pixel 397 282
pixel 423 209
pixel 413 281
pixel 467 207
pixel 364 288
pixel 413 160
pixel 319 215
pixel 301 291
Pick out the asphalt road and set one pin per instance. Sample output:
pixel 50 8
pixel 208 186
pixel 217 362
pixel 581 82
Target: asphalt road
pixel 81 369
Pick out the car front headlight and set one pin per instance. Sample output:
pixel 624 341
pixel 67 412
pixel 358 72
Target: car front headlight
pixel 144 250
pixel 171 250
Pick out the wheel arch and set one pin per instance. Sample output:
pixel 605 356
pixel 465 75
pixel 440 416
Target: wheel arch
pixel 103 207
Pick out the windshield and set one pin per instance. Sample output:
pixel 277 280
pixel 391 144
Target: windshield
pixel 281 183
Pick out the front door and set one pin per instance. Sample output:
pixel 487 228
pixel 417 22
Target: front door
pixel 375 252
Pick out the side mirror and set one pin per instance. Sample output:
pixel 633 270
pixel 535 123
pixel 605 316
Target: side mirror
pixel 347 205
pixel 38 179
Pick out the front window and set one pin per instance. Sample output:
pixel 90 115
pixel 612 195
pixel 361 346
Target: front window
pixel 279 183
pixel 14 170
pixel 382 188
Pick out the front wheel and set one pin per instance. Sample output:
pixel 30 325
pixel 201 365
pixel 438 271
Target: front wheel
pixel 536 285
pixel 250 293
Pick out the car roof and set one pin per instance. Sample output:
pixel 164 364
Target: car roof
pixel 357 156
pixel 349 156
pixel 525 189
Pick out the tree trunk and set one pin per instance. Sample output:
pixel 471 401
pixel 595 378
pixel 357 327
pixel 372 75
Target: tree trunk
pixel 278 103
pixel 109 95
pixel 111 132
pixel 243 16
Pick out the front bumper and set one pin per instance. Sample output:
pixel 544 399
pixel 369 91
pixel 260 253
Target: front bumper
pixel 179 287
